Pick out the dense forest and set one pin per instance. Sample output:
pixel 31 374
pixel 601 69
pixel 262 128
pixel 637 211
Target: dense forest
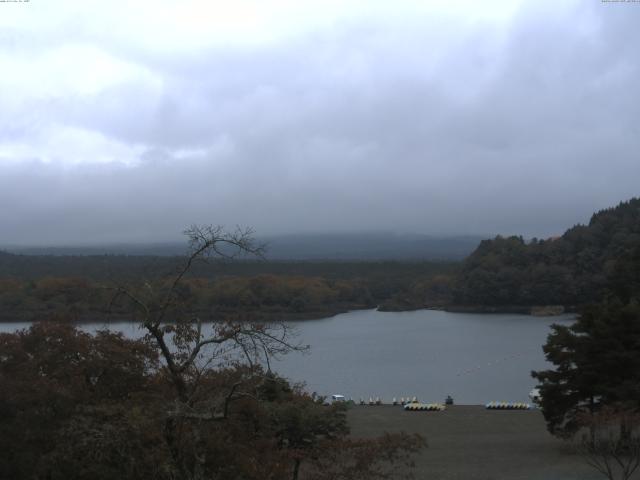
pixel 80 287
pixel 570 270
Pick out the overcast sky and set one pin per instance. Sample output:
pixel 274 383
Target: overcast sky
pixel 128 121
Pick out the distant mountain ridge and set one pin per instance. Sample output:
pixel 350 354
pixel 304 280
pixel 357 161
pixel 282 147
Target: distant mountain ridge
pixel 361 246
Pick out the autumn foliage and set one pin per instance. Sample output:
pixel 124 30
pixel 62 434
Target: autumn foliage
pixel 81 406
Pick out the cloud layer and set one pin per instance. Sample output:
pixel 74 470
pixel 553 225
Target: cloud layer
pixel 323 117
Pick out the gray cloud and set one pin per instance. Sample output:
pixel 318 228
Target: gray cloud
pixel 410 124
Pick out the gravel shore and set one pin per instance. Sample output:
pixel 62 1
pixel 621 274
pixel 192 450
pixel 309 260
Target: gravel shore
pixel 472 443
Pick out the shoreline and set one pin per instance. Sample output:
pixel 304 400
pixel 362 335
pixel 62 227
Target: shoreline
pixel 532 310
pixel 286 316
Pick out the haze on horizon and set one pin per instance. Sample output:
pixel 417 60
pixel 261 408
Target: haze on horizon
pixel 127 122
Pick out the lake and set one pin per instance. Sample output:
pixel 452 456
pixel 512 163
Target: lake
pixel 429 354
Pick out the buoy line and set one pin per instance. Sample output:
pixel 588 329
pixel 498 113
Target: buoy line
pixel 469 371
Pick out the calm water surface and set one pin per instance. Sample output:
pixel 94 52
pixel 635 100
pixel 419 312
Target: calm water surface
pixel 430 354
pixel 475 358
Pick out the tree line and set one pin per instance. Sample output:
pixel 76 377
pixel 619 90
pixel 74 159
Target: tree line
pixel 65 287
pixel 265 296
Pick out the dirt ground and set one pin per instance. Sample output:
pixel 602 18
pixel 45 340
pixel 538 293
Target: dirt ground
pixel 472 443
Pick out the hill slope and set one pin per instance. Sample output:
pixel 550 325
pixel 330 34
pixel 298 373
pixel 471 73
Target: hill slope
pixel 573 269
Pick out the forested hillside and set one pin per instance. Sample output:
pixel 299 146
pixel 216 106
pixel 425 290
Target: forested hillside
pixel 571 270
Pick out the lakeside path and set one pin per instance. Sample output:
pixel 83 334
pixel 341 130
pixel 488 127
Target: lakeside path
pixel 471 443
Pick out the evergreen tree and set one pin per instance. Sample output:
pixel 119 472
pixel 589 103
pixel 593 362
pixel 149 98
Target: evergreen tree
pixel 597 363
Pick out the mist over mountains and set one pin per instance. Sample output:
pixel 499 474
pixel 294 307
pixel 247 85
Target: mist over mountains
pixel 359 246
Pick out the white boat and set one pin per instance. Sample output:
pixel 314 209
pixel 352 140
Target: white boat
pixel 534 395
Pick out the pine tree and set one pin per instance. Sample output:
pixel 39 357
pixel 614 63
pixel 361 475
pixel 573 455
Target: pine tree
pixel 597 363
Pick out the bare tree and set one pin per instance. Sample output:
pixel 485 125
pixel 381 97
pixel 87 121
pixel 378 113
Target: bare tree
pixel 612 446
pixel 189 348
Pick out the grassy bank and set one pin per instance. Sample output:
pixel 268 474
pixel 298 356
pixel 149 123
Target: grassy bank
pixel 469 442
